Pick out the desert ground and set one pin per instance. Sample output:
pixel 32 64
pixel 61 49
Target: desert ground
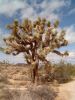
pixel 15 84
pixel 66 91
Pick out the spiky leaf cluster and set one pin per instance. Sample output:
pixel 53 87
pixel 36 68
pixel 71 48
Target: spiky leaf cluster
pixel 35 39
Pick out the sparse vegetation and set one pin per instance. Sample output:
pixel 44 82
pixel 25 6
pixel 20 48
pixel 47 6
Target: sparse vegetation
pixel 42 92
pixel 62 72
pixel 18 76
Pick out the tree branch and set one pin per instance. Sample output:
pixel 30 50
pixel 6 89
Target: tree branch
pixel 57 52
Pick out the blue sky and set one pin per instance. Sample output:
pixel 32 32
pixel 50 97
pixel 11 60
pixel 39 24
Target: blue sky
pixel 64 10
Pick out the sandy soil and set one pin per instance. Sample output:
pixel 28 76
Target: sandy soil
pixel 15 84
pixel 18 77
pixel 67 91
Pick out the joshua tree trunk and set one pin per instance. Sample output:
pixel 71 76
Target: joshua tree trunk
pixel 34 73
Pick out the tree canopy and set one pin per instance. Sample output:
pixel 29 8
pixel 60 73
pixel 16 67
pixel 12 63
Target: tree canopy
pixel 35 39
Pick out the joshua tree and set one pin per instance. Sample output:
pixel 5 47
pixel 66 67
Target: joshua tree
pixel 35 39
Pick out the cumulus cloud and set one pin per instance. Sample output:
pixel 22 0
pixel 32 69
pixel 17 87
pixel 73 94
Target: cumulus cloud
pixel 9 7
pixel 53 5
pixel 46 8
pixel 12 59
pixel 72 54
pixel 54 58
pixel 1 38
pixel 70 33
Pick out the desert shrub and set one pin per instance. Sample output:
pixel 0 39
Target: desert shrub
pixel 42 92
pixel 62 72
pixel 5 94
pixel 61 75
pixel 3 78
pixel 70 69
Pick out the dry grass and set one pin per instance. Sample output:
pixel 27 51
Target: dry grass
pixel 15 84
pixel 18 78
pixel 42 92
pixel 62 72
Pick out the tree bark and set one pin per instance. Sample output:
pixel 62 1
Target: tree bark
pixel 34 72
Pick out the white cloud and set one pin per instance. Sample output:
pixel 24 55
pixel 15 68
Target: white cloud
pixel 70 33
pixel 9 7
pixel 55 58
pixel 28 13
pixel 47 8
pixel 12 59
pixel 1 38
pixel 72 54
pixel 53 5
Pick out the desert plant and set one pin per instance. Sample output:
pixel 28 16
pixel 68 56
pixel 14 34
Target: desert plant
pixel 42 92
pixel 35 39
pixel 3 79
pixel 61 75
pixel 63 72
